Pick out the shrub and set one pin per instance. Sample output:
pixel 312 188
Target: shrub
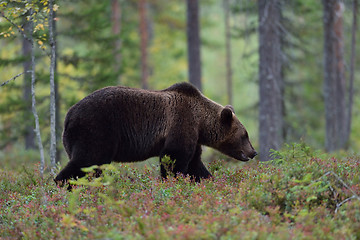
pixel 300 194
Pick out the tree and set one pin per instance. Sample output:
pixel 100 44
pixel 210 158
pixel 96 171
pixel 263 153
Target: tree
pixel 33 100
pixel 116 29
pixel 52 87
pixel 334 75
pixel 193 43
pixel 34 14
pixel 352 70
pixel 228 51
pixel 26 50
pixel 57 95
pixel 270 76
pixel 144 39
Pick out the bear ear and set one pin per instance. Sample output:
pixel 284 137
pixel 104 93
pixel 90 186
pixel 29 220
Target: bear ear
pixel 231 107
pixel 226 115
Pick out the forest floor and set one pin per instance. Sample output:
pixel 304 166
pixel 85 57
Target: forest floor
pixel 300 195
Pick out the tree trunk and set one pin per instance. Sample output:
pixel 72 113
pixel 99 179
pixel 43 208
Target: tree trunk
pixel 144 39
pixel 193 42
pixel 334 75
pixel 52 89
pixel 228 51
pixel 26 50
pixel 33 100
pixel 116 28
pixel 352 70
pixel 270 76
pixel 57 98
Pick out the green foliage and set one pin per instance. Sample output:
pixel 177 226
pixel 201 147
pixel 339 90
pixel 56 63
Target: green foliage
pixel 294 151
pixel 297 195
pixel 168 164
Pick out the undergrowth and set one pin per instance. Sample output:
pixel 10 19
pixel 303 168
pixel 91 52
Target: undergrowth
pixel 301 194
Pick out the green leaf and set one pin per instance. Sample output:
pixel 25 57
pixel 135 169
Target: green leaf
pixel 311 198
pixel 306 179
pixel 89 169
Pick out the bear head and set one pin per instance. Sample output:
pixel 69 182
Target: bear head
pixel 234 138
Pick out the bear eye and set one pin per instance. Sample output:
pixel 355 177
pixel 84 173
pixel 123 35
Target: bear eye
pixel 245 137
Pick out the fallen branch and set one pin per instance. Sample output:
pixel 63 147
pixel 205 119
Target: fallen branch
pixel 15 77
pixel 354 196
pixel 338 205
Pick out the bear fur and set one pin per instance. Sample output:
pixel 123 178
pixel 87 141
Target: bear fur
pixel 124 124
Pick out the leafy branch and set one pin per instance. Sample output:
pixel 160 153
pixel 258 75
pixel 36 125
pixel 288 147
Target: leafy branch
pixel 22 31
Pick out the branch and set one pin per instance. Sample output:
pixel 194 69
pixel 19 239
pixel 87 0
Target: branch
pixel 354 196
pixel 338 205
pixel 15 77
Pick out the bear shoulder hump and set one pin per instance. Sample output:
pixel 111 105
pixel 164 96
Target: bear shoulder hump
pixel 184 88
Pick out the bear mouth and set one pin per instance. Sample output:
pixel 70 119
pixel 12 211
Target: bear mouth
pixel 243 157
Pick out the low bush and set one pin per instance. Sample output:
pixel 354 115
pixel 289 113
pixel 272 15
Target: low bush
pixel 300 194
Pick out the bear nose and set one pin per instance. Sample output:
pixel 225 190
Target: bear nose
pixel 253 155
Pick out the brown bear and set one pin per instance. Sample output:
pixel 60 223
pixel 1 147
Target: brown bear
pixel 124 124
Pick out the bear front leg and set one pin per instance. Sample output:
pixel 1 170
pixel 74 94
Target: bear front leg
pixel 178 163
pixel 180 157
pixel 196 168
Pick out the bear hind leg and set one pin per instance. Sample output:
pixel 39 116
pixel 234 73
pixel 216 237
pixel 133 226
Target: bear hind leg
pixel 81 158
pixel 71 170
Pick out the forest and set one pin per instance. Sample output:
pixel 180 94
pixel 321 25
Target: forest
pixel 289 68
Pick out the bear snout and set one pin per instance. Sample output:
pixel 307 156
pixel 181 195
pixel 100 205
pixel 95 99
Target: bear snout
pixel 253 155
pixel 243 157
pixel 247 156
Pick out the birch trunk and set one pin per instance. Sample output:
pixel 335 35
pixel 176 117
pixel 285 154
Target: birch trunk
pixel 52 89
pixel 33 100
